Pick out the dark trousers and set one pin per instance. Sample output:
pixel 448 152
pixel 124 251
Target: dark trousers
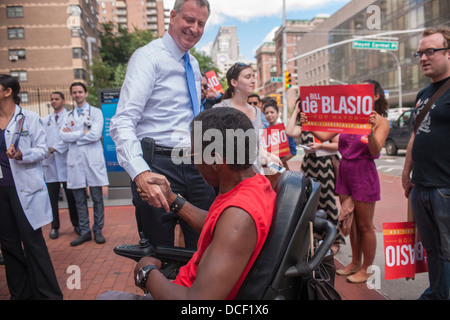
pixel 53 191
pixel 28 266
pixel 83 210
pixel 156 224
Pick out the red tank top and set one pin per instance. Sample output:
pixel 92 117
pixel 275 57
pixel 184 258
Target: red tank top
pixel 256 197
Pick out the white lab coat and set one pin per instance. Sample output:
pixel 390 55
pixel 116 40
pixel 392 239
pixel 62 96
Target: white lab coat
pixel 85 160
pixel 28 173
pixel 55 167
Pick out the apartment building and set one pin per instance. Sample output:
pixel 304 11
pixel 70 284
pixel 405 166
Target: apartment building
pixel 225 49
pixel 341 64
pixel 47 45
pixel 269 59
pixel 135 14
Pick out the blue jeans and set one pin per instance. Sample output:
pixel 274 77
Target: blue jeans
pixel 431 207
pixel 82 208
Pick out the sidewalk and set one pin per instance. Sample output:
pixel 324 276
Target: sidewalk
pixel 101 269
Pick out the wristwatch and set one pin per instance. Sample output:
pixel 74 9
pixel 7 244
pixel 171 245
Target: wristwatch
pixel 177 204
pixel 142 276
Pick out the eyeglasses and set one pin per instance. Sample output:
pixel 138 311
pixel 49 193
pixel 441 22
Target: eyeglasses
pixel 428 53
pixel 241 64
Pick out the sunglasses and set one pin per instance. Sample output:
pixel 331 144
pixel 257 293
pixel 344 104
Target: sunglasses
pixel 205 86
pixel 253 103
pixel 240 64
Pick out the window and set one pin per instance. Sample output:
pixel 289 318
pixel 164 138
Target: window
pixel 16 33
pixel 78 53
pixel 79 74
pixel 16 54
pixel 24 97
pixel 14 12
pixel 77 32
pixel 20 75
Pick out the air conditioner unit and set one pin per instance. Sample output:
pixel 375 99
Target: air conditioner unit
pixel 13 57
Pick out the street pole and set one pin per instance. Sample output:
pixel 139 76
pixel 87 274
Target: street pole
pixel 285 107
pixel 399 71
pixel 90 40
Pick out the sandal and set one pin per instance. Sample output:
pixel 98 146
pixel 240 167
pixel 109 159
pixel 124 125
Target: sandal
pixel 343 272
pixel 353 279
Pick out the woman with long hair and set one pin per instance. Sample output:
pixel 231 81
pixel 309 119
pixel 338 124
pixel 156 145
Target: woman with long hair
pixel 241 84
pixel 24 201
pixel 319 167
pixel 358 181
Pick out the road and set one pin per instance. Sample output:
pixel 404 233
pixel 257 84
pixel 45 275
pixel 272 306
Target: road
pixel 391 165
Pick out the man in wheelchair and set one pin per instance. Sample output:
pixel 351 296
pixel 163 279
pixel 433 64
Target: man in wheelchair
pixel 234 230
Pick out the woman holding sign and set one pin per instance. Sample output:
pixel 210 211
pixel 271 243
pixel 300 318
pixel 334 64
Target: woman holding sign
pixel 358 181
pixel 24 201
pixel 317 163
pixel 271 112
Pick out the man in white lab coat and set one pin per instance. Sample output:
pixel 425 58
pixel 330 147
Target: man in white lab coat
pixel 82 129
pixel 55 166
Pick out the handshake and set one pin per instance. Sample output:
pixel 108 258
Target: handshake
pixel 155 189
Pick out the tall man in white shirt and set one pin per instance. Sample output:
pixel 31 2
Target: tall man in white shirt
pixel 82 129
pixel 152 125
pixel 55 166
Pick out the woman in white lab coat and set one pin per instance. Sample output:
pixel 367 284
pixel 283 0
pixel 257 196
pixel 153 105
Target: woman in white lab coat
pixel 24 202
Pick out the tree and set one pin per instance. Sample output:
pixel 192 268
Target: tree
pixel 206 64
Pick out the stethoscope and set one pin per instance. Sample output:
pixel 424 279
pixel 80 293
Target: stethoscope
pixel 87 124
pixel 19 126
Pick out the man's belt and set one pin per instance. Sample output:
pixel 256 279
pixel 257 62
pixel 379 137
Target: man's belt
pixel 167 151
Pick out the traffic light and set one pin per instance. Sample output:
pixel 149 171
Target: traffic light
pixel 287 80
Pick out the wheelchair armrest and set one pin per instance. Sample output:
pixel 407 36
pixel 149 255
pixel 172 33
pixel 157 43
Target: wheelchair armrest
pixel 173 254
pixel 305 268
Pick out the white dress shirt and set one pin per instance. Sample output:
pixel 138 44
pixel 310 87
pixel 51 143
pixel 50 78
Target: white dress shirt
pixel 154 102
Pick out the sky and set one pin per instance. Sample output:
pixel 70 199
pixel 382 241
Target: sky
pixel 256 20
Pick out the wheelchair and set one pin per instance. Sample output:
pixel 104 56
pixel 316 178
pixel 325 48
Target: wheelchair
pixel 284 265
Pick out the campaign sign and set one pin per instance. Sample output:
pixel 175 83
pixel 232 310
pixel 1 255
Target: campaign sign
pixel 341 108
pixel 402 254
pixel 275 140
pixel 213 81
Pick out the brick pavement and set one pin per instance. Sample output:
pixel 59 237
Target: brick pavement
pixel 102 270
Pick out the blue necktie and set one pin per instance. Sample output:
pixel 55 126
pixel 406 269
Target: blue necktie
pixel 79 110
pixel 191 85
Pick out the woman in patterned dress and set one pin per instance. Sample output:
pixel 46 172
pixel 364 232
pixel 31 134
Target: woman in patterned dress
pixel 319 168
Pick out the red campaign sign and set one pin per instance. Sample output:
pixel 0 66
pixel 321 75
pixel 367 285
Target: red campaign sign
pixel 213 81
pixel 404 256
pixel 342 108
pixel 275 140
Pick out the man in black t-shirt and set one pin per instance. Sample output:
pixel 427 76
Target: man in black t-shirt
pixel 428 158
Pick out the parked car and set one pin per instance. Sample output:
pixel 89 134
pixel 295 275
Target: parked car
pixel 394 113
pixel 399 133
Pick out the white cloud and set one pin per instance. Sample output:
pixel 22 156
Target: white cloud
pixel 269 37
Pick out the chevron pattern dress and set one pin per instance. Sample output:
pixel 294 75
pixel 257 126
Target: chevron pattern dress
pixel 322 170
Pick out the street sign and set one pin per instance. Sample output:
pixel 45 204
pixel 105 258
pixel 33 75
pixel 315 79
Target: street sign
pixel 276 79
pixel 375 45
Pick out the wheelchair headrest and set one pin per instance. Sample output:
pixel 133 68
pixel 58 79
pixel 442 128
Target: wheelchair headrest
pixel 293 190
